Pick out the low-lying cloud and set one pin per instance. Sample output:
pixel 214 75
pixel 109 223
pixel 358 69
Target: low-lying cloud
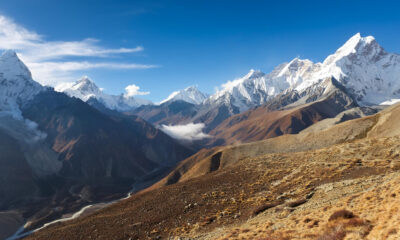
pixel 187 132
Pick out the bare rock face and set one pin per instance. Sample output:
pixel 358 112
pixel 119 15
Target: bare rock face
pixel 292 116
pixel 94 145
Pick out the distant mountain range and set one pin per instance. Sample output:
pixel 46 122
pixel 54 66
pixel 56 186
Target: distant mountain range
pixel 368 74
pixel 65 148
pixel 61 153
pixel 85 89
pixel 337 182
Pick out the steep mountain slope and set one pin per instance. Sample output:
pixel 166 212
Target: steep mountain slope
pixel 18 178
pixel 92 144
pixel 361 65
pixel 289 187
pixel 368 73
pixel 190 94
pixel 17 85
pixel 85 89
pixel 201 162
pixel 58 153
pixel 262 123
pixel 168 113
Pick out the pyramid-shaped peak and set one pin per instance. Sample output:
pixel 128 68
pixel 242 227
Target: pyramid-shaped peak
pixel 11 66
pixel 85 79
pixel 356 43
pixel 85 84
pixel 9 54
pixel 254 74
pixel 190 94
pixel 364 47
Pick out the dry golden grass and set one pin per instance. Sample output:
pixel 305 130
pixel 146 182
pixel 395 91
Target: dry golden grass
pixel 290 187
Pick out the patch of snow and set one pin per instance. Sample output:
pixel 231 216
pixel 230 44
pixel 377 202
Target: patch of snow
pixel 86 89
pixel 190 94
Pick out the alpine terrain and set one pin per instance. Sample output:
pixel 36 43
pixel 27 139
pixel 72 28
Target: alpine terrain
pixel 361 69
pixel 307 151
pixel 59 154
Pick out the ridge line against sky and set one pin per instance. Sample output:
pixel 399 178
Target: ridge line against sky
pixel 165 46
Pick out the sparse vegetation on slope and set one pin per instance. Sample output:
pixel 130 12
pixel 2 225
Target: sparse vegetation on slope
pixel 340 183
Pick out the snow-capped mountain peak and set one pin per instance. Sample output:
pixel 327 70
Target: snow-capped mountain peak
pixel 370 74
pixel 252 74
pixel 190 94
pixel 86 89
pixel 16 83
pixel 250 90
pixel 86 84
pixel 365 68
pixel 231 86
pixel 11 66
pixel 356 45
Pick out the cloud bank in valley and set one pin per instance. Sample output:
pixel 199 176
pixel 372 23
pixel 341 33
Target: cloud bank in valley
pixel 50 61
pixel 187 132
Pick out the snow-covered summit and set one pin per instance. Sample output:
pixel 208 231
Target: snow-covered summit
pixel 16 83
pixel 86 89
pixel 252 89
pixel 190 94
pixel 371 75
pixel 11 66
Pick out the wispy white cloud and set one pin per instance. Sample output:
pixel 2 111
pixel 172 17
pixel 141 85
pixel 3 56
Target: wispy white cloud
pixel 188 132
pixel 133 90
pixel 46 59
pixel 13 36
pixel 46 72
pixel 85 48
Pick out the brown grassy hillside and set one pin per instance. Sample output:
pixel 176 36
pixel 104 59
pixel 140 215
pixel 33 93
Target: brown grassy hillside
pixel 341 183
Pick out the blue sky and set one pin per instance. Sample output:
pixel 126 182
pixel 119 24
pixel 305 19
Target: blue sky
pixel 170 45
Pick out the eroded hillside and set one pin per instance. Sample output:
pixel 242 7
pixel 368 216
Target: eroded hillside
pixel 339 183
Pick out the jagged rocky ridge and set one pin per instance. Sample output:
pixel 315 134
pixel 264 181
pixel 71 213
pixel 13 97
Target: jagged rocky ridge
pixel 369 74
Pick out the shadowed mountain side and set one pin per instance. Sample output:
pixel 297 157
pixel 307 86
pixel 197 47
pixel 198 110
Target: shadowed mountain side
pixel 172 112
pixel 97 156
pixel 288 187
pixel 262 123
pixel 199 163
pixel 95 145
pixel 17 177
